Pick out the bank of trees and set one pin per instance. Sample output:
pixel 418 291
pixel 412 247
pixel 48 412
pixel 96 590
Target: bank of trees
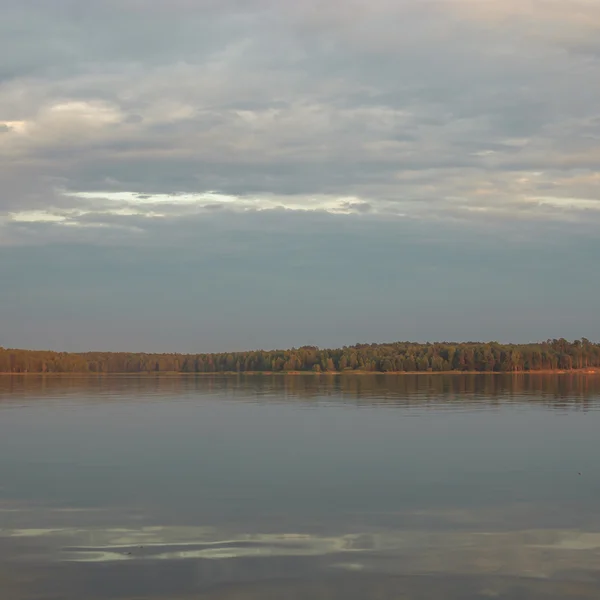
pixel 551 355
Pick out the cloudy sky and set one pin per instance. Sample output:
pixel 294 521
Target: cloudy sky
pixel 202 175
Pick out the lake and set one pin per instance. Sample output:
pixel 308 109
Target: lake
pixel 300 486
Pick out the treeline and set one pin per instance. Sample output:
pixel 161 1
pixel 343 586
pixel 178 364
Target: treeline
pixel 405 357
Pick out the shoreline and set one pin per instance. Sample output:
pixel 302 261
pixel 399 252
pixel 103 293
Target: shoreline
pixel 584 371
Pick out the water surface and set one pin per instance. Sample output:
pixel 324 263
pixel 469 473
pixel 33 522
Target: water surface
pixel 358 486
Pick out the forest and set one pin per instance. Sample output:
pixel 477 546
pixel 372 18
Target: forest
pixel 400 357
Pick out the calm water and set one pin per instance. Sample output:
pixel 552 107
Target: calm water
pixel 375 487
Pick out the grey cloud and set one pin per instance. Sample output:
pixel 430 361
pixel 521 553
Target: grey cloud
pixel 107 32
pixel 462 137
pixel 361 207
pixel 387 101
pixel 134 119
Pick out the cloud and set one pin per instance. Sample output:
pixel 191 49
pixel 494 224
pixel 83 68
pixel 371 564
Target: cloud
pixel 158 126
pixel 449 107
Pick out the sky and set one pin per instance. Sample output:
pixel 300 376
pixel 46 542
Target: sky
pixel 220 175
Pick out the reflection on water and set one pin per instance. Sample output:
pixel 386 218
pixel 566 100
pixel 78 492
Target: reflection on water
pixel 332 487
pixel 573 389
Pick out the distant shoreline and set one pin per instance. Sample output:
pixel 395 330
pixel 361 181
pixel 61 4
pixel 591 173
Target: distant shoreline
pixel 551 356
pixel 586 371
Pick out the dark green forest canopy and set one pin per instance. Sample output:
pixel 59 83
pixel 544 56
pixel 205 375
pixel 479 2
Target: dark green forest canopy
pixel 550 355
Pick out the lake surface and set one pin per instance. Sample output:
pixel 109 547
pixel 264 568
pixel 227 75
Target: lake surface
pixel 300 487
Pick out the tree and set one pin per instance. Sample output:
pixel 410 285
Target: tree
pixel 423 364
pixel 399 356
